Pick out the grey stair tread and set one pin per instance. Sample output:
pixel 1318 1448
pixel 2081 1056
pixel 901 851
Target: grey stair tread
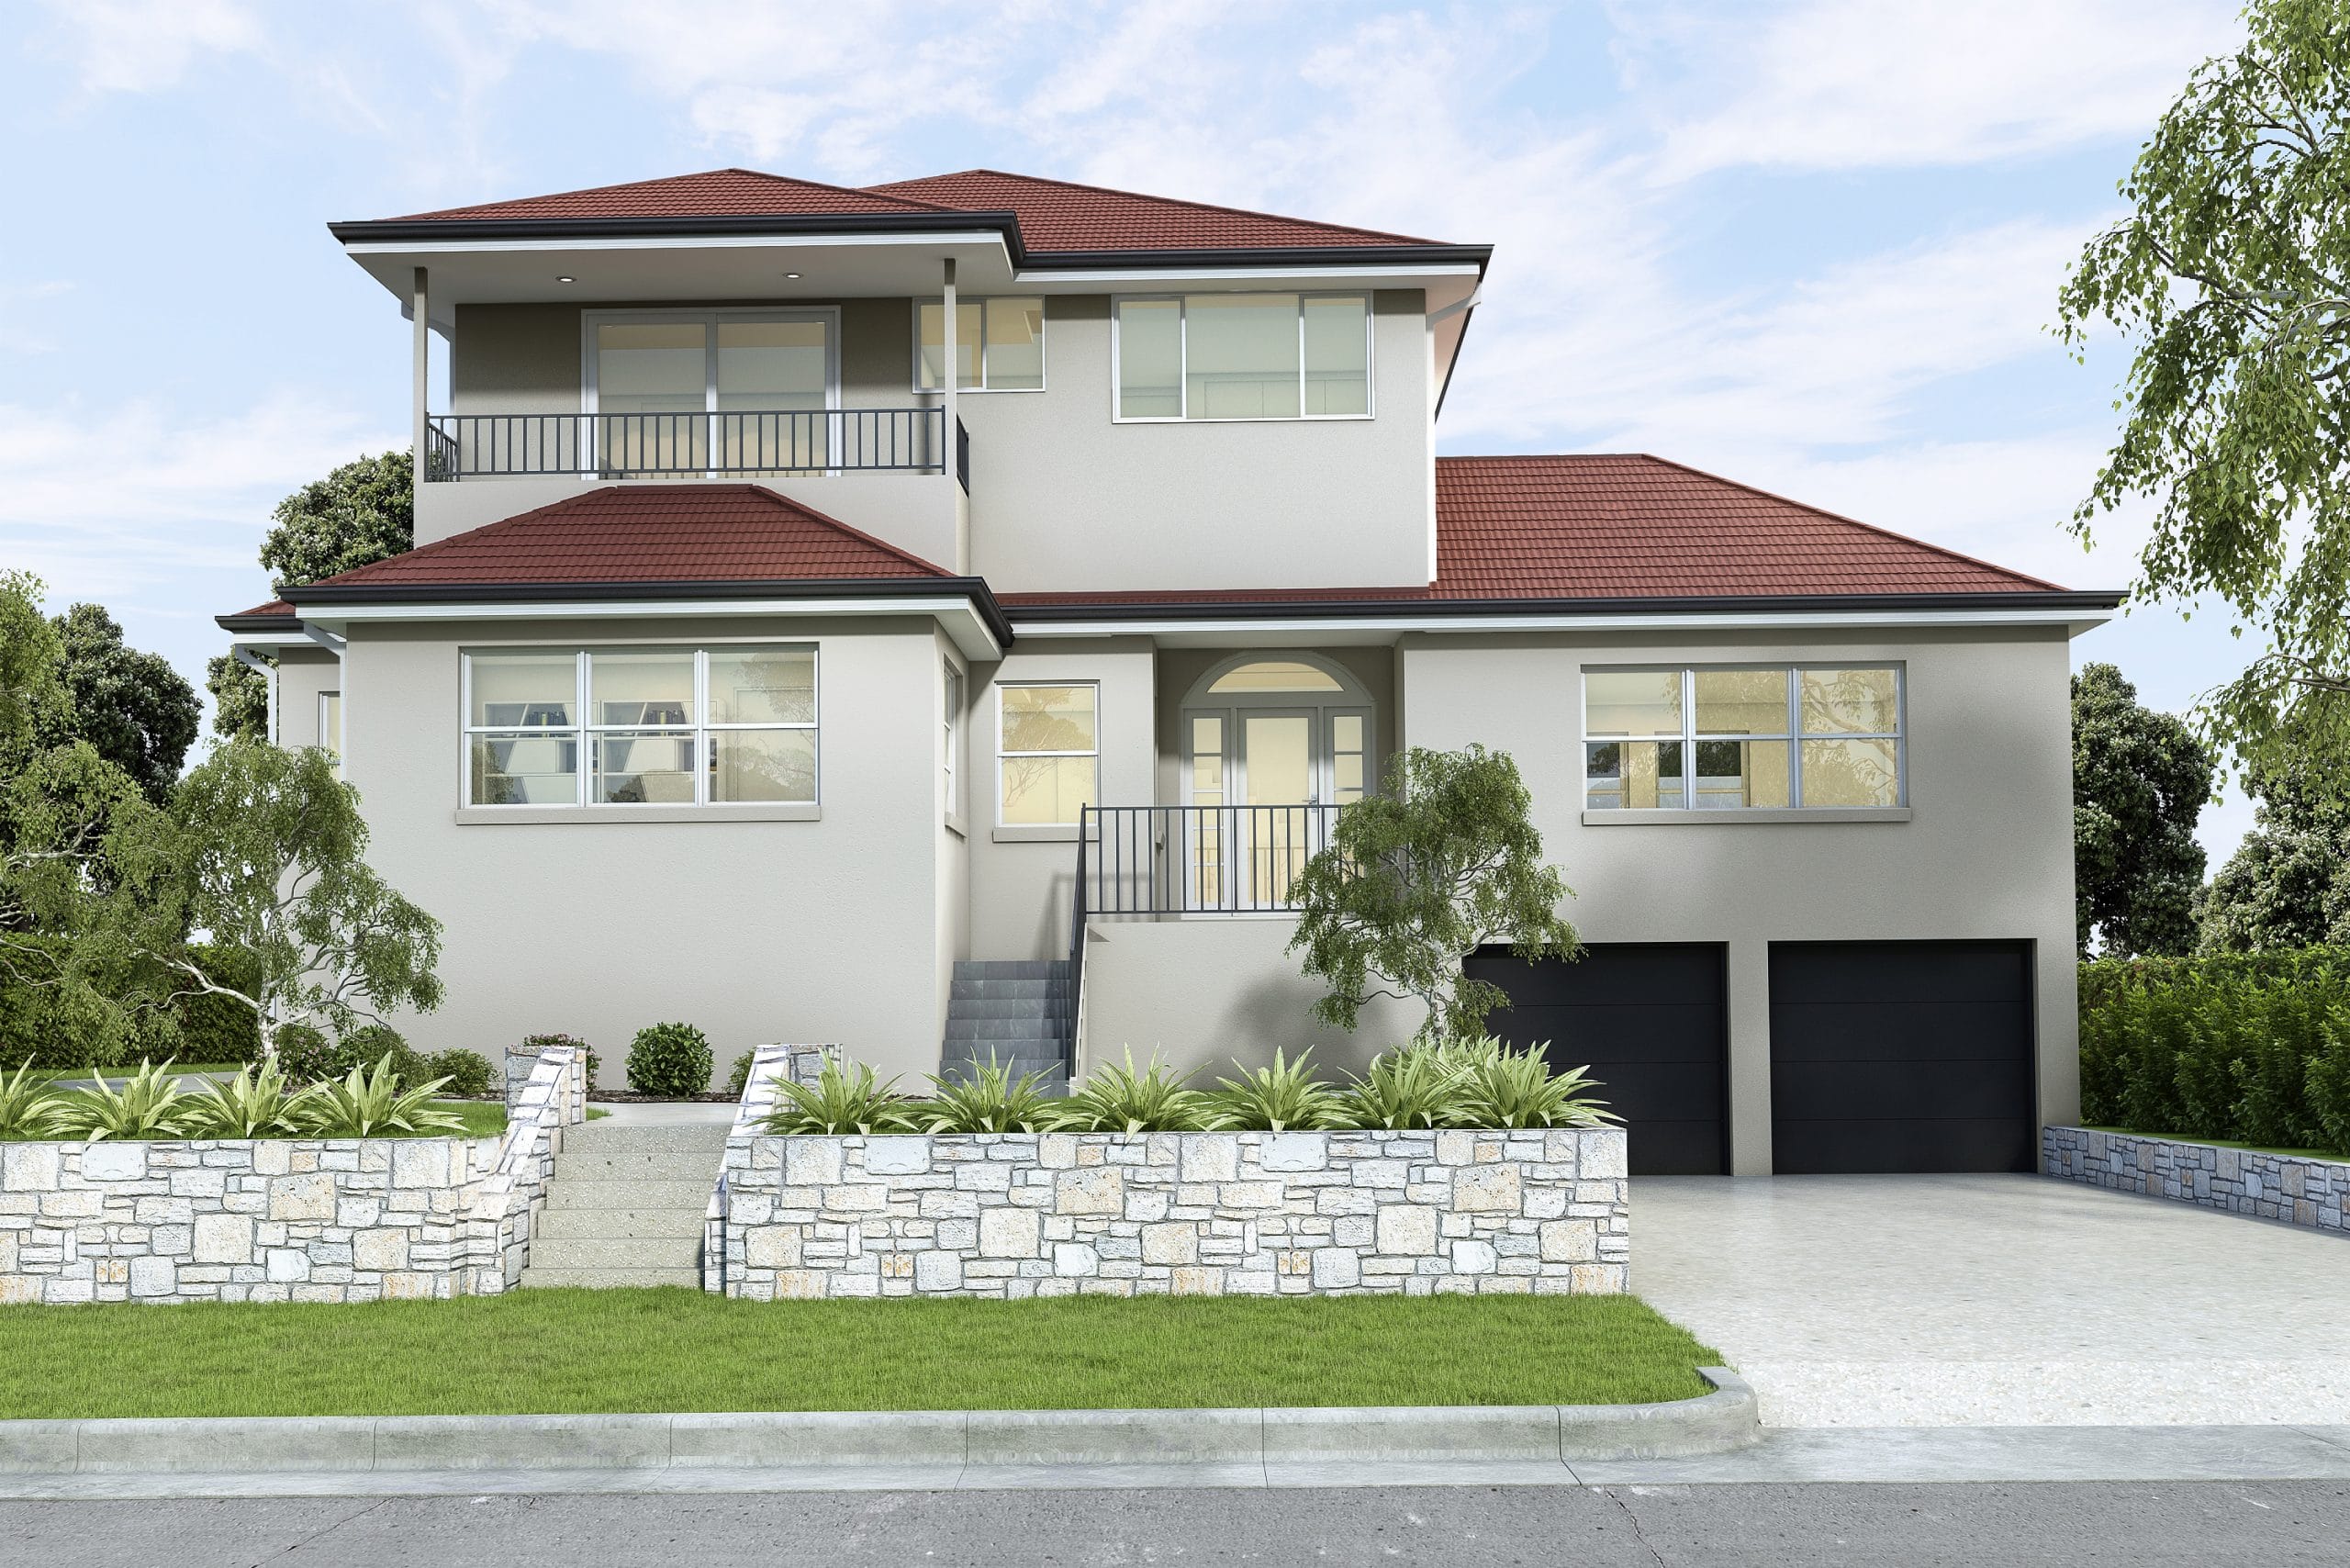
pixel 1010 969
pixel 601 1137
pixel 579 1193
pixel 620 1224
pixel 637 1167
pixel 617 1252
pixel 1012 1007
pixel 539 1278
pixel 1006 991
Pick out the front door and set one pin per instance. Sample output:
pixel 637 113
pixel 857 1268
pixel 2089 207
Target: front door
pixel 1282 790
pixel 1265 786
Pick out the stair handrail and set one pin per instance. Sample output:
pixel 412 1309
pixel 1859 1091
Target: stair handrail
pixel 1076 954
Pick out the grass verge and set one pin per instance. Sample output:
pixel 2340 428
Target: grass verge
pixel 561 1351
pixel 2223 1143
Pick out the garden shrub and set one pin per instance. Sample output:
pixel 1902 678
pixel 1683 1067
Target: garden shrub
pixel 669 1059
pixel 739 1078
pixel 2247 1047
pixel 304 1053
pixel 468 1072
pixel 369 1044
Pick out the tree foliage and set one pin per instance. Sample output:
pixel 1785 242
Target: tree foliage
pixel 2288 885
pixel 1419 878
pixel 2231 275
pixel 138 712
pixel 2140 779
pixel 239 699
pixel 360 514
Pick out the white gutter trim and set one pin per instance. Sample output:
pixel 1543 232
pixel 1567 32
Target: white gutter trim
pixel 666 243
pixel 1463 625
pixel 1151 274
pixel 961 619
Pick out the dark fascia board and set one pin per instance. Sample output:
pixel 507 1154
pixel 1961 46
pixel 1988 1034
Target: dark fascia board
pixel 1450 608
pixel 397 231
pixel 259 623
pixel 325 597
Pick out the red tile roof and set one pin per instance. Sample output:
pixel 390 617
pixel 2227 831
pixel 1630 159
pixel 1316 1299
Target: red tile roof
pixel 1629 525
pixel 1057 215
pixel 1054 215
pixel 650 534
pixel 719 192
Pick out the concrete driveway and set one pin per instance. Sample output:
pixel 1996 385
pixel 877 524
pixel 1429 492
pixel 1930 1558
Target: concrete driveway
pixel 1879 1300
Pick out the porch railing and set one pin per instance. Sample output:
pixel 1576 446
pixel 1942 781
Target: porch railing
pixel 746 442
pixel 1197 859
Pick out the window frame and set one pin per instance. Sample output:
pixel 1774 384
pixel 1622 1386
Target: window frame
pixel 1183 358
pixel 583 734
pixel 334 751
pixel 1044 355
pixel 1793 737
pixel 1000 754
pixel 951 694
pixel 590 394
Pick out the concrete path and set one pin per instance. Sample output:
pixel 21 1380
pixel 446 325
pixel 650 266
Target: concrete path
pixel 1898 1301
pixel 1641 1526
pixel 665 1114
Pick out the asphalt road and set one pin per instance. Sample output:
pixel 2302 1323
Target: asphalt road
pixel 1913 1526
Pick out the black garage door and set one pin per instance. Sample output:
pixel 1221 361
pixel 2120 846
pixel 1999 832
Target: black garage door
pixel 1649 1020
pixel 1901 1056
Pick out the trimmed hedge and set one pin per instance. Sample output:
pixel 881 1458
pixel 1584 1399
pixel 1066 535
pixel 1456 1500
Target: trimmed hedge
pixel 2251 1048
pixel 669 1059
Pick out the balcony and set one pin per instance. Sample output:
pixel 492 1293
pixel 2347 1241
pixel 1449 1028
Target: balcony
pixel 734 444
pixel 1173 860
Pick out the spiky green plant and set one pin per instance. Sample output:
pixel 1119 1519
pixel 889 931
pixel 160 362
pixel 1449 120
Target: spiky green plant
pixel 842 1101
pixel 373 1105
pixel 1284 1097
pixel 1518 1089
pixel 1126 1099
pixel 254 1104
pixel 27 1109
pixel 989 1100
pixel 1401 1091
pixel 149 1104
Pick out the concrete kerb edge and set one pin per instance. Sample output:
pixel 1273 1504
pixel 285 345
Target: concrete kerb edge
pixel 1719 1422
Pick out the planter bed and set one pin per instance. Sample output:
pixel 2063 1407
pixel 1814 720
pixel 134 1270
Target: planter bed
pixel 559 1351
pixel 2293 1188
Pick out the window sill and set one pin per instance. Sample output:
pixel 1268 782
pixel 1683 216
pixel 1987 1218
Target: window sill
pixel 1727 818
pixel 476 816
pixel 1056 833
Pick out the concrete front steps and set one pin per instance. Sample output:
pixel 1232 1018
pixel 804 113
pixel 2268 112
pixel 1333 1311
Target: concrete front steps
pixel 1014 1010
pixel 625 1207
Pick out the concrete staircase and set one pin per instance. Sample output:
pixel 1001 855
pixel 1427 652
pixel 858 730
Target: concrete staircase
pixel 625 1207
pixel 1016 1009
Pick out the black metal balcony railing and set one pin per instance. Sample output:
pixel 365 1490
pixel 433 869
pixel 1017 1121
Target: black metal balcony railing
pixel 1198 859
pixel 734 444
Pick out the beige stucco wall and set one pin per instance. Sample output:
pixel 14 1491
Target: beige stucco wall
pixel 755 931
pixel 302 674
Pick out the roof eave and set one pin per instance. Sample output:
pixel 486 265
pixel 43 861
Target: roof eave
pixel 2089 600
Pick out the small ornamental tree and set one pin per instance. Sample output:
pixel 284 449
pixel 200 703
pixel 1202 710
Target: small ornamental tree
pixel 1416 878
pixel 261 855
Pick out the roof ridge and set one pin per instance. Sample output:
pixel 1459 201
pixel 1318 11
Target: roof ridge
pixel 884 189
pixel 674 179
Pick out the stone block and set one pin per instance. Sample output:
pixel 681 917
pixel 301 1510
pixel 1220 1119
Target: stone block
pixel 377 1251
pixel 1406 1230
pixel 1294 1151
pixel 1009 1233
pixel 309 1197
pixel 901 1156
pixel 772 1246
pixel 1474 1258
pixel 1250 1195
pixel 1196 1282
pixel 1335 1268
pixel 153 1276
pixel 223 1238
pixel 108 1161
pixel 1209 1156
pixel 1177 1243
pixel 1074 1259
pixel 1456 1148
pixel 423 1162
pixel 1486 1188
pixel 1057 1151
pixel 1100 1190
pixel 28 1167
pixel 1569 1241
pixel 937 1272
pixel 287 1265
pixel 812 1161
pixel 1603 1153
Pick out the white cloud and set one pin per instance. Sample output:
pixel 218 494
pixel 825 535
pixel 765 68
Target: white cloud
pixel 1868 84
pixel 140 46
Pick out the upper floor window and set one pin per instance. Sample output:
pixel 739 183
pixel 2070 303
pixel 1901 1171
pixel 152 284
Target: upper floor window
pixel 641 727
pixel 999 346
pixel 1048 754
pixel 1814 735
pixel 1243 356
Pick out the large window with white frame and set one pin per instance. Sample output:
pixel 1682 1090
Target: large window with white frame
pixel 723 391
pixel 999 344
pixel 661 726
pixel 1744 737
pixel 1048 753
pixel 1242 357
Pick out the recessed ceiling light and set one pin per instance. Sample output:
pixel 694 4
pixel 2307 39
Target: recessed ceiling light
pixel 562 279
pixel 791 274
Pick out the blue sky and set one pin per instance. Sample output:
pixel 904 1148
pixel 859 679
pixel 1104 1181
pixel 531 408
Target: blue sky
pixel 1814 246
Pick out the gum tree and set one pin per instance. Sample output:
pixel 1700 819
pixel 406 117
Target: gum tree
pixel 2231 277
pixel 1443 862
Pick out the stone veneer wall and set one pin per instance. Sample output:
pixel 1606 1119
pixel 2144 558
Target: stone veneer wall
pixel 2298 1190
pixel 1262 1214
pixel 286 1219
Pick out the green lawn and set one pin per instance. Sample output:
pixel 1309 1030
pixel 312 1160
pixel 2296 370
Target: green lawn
pixel 601 1351
pixel 2222 1143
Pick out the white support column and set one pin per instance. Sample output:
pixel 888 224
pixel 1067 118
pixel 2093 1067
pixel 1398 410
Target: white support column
pixel 421 337
pixel 949 377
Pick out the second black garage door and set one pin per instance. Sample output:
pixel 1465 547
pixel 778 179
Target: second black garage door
pixel 1649 1019
pixel 1902 1056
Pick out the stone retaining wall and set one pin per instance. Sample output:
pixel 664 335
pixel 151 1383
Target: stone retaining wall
pixel 2297 1190
pixel 283 1219
pixel 1208 1214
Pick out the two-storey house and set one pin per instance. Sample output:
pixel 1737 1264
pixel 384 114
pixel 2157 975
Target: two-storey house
pixel 941 618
